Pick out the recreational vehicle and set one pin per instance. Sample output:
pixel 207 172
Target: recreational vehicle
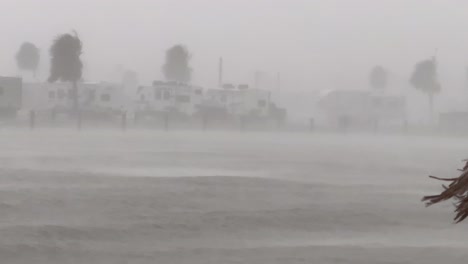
pixel 58 96
pixel 169 96
pixel 360 108
pixel 10 95
pixel 241 102
pixel 103 97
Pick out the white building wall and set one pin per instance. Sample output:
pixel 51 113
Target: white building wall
pixel 166 96
pixel 242 102
pixel 46 96
pixel 10 92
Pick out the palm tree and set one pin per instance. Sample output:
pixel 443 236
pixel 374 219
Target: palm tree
pixel 176 67
pixel 378 78
pixel 27 58
pixel 424 78
pixel 65 62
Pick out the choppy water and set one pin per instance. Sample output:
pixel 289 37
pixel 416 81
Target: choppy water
pixel 179 197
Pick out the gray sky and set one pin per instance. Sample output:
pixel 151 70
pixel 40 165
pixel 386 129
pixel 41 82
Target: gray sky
pixel 313 43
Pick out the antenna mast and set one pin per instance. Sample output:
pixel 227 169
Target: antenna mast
pixel 220 72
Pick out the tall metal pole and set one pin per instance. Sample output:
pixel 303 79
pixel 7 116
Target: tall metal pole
pixel 220 72
pixel 278 81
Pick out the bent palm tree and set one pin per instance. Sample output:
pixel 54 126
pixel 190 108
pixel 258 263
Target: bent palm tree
pixel 65 62
pixel 176 67
pixel 424 78
pixel 457 190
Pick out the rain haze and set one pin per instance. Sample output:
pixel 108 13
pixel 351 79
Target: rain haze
pixel 248 131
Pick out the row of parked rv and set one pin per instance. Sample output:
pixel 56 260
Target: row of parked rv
pixel 336 108
pixel 160 97
pixel 361 108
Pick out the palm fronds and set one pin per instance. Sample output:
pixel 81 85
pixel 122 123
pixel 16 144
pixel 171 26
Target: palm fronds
pixel 457 190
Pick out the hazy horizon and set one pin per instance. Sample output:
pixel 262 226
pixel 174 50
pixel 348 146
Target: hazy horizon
pixel 174 173
pixel 313 44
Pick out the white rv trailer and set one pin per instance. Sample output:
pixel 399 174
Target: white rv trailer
pixel 45 96
pixel 103 97
pixel 10 95
pixel 91 96
pixel 167 96
pixel 241 102
pixel 361 107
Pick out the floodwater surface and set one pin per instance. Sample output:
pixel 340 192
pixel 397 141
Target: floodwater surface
pixel 102 196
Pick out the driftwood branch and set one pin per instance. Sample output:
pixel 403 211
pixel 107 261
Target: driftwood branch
pixel 457 190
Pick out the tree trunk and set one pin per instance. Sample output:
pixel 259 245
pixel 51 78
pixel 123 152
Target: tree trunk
pixel 75 97
pixel 431 107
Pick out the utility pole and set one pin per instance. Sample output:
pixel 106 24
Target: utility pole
pixel 278 81
pixel 220 72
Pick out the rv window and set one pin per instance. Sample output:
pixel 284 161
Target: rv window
pixel 157 94
pixel 198 92
pixel 167 95
pixel 1 90
pixel 183 99
pixel 261 103
pixel 51 95
pixel 105 97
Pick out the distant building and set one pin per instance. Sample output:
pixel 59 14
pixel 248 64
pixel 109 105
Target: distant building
pixel 103 96
pixel 160 97
pixel 240 102
pixel 360 107
pixel 169 96
pixel 46 96
pixel 91 96
pixel 10 95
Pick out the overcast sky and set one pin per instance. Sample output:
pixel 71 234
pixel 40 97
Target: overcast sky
pixel 313 43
